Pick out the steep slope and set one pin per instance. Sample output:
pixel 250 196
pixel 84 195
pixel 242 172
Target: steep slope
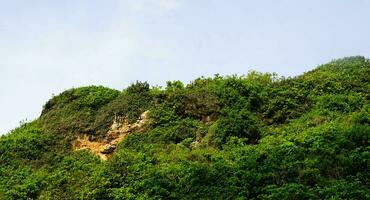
pixel 257 136
pixel 105 147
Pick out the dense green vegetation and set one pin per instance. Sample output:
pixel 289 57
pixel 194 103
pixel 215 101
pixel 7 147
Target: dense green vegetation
pixel 257 136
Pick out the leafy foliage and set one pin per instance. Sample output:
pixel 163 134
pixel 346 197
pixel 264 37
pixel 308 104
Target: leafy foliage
pixel 74 111
pixel 257 136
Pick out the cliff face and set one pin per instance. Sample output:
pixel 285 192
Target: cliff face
pixel 105 147
pixel 258 136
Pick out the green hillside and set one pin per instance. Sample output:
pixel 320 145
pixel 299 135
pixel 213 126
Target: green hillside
pixel 258 136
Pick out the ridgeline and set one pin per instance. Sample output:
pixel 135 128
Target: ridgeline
pixel 258 136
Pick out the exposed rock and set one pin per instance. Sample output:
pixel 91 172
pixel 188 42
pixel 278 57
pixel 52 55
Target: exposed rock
pixel 108 149
pixel 119 129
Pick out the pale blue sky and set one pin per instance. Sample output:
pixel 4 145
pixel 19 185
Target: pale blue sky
pixel 47 46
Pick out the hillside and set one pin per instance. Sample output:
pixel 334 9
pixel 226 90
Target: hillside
pixel 258 136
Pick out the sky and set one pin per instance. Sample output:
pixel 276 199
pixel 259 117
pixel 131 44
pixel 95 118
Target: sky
pixel 48 46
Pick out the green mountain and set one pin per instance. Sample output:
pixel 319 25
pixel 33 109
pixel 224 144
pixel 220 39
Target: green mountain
pixel 258 136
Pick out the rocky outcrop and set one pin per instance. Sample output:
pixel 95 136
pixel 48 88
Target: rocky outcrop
pixel 108 149
pixel 119 130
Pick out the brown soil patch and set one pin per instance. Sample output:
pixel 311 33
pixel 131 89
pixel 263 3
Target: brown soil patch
pixel 119 130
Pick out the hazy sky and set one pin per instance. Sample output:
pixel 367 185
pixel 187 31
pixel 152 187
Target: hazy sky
pixel 47 46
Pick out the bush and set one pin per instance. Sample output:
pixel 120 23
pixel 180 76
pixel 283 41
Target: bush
pixel 239 123
pixel 133 101
pixel 73 112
